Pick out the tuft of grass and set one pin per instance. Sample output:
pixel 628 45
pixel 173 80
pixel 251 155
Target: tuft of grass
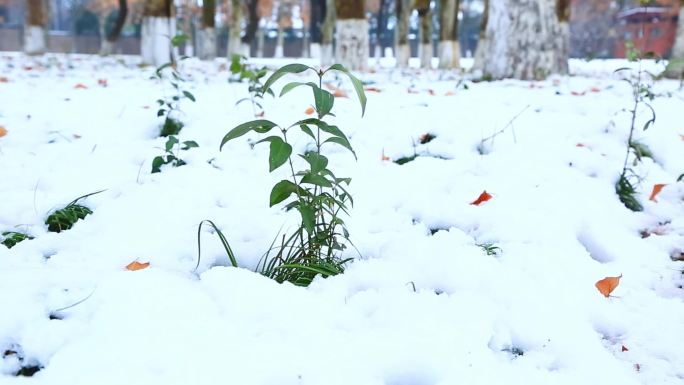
pixel 627 194
pixel 11 238
pixel 65 218
pixel 490 248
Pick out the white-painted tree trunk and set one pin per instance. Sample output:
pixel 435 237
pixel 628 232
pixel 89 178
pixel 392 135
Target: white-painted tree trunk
pixel 678 48
pixel 106 47
pixel 279 50
pixel 315 50
pixel 155 42
pixel 34 40
pixel 675 68
pixel 260 36
pixel 327 55
pixel 207 44
pixel 446 54
pixel 425 55
pixel 403 55
pixel 234 46
pixel 447 36
pixel 352 43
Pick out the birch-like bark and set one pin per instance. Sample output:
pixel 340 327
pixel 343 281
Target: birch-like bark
pixel 675 69
pixel 425 13
pixel 352 34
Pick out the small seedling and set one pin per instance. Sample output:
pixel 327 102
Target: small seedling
pixel 172 157
pixel 241 71
pixel 11 238
pixel 490 248
pixel 65 218
pixel 641 96
pixel 170 105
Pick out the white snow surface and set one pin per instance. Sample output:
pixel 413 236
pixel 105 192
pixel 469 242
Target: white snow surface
pixel 415 308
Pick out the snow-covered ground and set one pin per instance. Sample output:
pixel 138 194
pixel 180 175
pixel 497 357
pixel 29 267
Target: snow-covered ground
pixel 423 305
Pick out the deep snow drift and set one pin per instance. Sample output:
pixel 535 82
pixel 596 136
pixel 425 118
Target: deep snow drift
pixel 423 305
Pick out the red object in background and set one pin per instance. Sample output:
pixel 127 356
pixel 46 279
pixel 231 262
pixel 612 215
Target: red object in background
pixel 651 29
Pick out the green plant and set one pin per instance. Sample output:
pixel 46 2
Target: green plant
pixel 641 95
pixel 241 70
pixel 490 248
pixel 171 157
pixel 319 196
pixel 11 238
pixel 681 178
pixel 170 104
pixel 65 218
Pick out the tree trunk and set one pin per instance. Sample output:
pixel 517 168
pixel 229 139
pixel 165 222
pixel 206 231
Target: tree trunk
pixel 526 40
pixel 380 32
pixel 483 40
pixel 280 41
pixel 234 29
pixel 403 52
pixel 252 22
pixel 328 33
pixel 675 69
pixel 158 28
pixel 207 35
pixel 448 58
pixel 260 42
pixel 316 19
pixel 352 34
pixel 35 30
pixel 107 46
pixel 425 14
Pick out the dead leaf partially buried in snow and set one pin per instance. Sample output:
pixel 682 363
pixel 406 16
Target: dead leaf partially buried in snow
pixel 607 285
pixel 135 265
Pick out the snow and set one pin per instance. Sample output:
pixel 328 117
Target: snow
pixel 416 308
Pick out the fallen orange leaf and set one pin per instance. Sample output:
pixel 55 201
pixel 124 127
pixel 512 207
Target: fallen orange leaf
pixel 450 93
pixel 3 131
pixel 373 89
pixel 135 265
pixel 383 157
pixel 310 111
pixel 80 86
pixel 339 93
pixel 607 285
pixel 656 190
pixel 484 197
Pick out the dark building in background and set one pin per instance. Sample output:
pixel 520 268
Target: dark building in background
pixel 651 29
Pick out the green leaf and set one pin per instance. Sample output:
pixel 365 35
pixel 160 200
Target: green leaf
pixel 307 131
pixel 161 112
pixel 308 217
pixel 281 191
pixel 358 86
pixel 316 179
pixel 179 39
pixel 189 95
pixel 282 71
pixel 157 162
pixel 280 152
pixel 291 86
pixel 342 142
pixel 260 126
pixel 172 141
pixel 317 161
pixel 681 178
pixel 188 144
pixel 324 101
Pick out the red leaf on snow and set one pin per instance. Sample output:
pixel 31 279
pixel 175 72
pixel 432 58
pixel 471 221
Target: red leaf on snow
pixel 340 93
pixel 383 157
pixel 656 190
pixel 372 89
pixel 607 285
pixel 624 348
pixel 3 131
pixel 102 82
pixel 80 86
pixel 309 111
pixel 484 197
pixel 4 79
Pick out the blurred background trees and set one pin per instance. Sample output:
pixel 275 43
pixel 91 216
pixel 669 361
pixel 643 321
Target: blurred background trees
pixel 520 38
